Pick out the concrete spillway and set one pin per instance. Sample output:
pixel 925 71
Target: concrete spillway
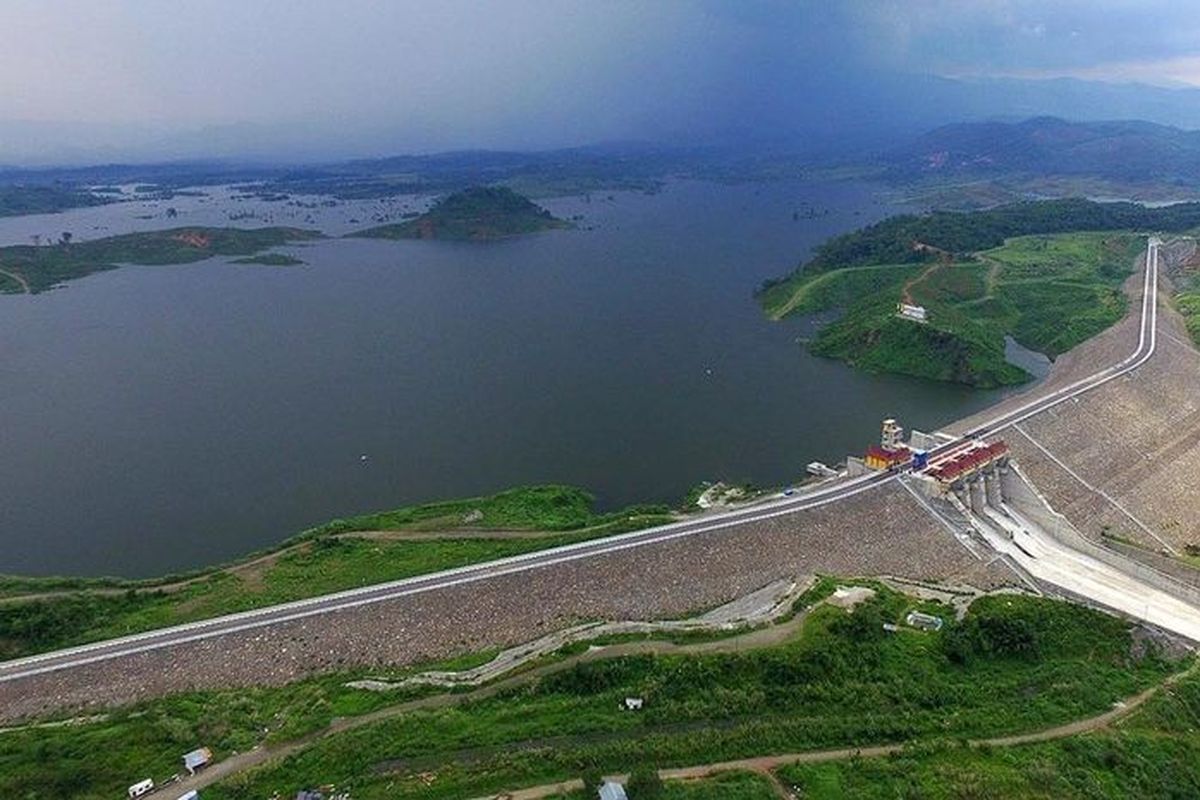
pixel 1009 514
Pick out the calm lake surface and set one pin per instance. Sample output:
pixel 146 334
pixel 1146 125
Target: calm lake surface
pixel 162 418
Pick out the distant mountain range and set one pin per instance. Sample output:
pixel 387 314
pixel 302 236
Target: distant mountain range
pixel 1124 151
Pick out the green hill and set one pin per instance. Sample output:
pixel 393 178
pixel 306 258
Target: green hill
pixel 1047 274
pixel 479 213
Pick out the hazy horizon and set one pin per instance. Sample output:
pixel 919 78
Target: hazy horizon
pixel 311 81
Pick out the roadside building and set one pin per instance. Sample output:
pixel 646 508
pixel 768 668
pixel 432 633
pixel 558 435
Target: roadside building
pixel 197 759
pixel 610 790
pixel 913 312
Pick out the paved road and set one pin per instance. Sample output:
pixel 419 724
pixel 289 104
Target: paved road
pixel 168 637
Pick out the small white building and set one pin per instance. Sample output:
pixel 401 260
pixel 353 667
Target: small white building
pixel 634 703
pixel 915 313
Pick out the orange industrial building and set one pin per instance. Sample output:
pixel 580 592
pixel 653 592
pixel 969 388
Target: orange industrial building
pixel 891 450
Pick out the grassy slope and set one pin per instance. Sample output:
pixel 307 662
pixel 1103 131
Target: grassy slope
pixel 45 266
pixel 1154 754
pixel 475 214
pixel 842 681
pixel 322 563
pixel 1048 292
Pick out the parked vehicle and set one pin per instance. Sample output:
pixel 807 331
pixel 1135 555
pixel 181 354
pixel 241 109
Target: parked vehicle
pixel 141 787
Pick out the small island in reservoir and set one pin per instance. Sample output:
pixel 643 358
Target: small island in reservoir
pixel 43 265
pixel 480 213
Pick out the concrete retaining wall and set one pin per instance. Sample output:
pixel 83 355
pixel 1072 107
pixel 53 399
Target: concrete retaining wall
pixel 1026 499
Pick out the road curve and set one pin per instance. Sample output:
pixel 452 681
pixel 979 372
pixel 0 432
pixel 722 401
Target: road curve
pixel 219 626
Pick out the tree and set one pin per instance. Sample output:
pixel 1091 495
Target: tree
pixel 591 782
pixel 644 784
pixel 66 237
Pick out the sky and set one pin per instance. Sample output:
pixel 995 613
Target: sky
pixel 308 79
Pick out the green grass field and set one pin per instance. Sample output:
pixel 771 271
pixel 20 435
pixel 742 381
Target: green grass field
pixel 318 562
pixel 1049 293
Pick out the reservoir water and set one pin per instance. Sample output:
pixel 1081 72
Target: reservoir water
pixel 163 418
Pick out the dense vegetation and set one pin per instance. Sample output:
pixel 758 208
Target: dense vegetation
pixel 842 681
pixel 979 282
pixel 18 200
pixel 320 561
pixel 43 266
pixel 474 214
pixel 1154 754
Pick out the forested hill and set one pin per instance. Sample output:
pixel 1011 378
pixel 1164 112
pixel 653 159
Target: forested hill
pixel 475 214
pixel 911 238
pixel 1123 150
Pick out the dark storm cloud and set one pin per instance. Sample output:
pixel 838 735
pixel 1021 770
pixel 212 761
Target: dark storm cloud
pixel 309 78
